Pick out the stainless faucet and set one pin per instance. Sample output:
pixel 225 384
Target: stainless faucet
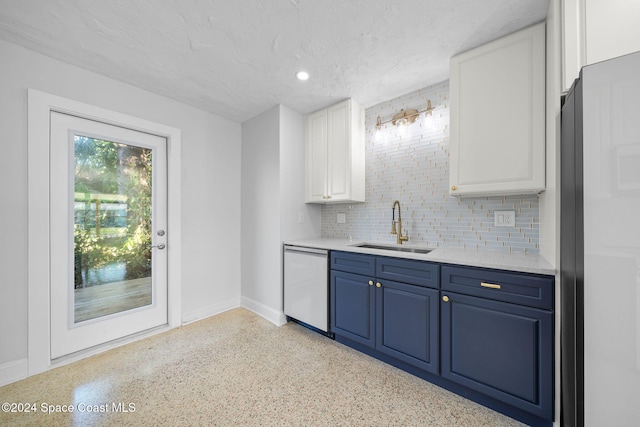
pixel 397 229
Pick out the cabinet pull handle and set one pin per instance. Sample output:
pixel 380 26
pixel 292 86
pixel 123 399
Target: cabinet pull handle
pixel 454 188
pixel 445 298
pixel 370 282
pixel 489 285
pixel 378 285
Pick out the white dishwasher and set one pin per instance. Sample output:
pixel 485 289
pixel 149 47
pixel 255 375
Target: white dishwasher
pixel 306 295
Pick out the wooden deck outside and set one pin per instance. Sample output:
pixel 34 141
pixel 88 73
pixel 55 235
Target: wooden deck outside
pixel 110 298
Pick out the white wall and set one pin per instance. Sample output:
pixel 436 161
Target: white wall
pixel 292 186
pixel 210 216
pixel 611 29
pixel 210 186
pixel 597 30
pixel 260 243
pixel 272 200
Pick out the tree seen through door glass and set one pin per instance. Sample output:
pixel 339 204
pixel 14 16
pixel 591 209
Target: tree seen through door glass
pixel 112 227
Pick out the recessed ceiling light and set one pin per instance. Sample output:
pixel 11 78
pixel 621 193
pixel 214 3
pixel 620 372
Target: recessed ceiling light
pixel 302 75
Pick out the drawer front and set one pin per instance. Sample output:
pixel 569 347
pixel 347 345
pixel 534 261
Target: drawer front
pixel 524 289
pixel 353 263
pixel 419 273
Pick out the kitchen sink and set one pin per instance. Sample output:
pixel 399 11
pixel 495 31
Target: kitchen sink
pixel 394 248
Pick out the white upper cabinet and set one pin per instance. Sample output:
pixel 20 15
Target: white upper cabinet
pixel 597 30
pixel 335 154
pixel 497 139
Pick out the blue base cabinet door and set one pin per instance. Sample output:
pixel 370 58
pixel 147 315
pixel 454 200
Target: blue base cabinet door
pixel 398 319
pixel 408 324
pixel 353 307
pixel 500 349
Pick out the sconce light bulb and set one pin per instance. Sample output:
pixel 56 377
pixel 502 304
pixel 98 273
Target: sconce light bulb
pixel 378 134
pixel 403 129
pixel 428 120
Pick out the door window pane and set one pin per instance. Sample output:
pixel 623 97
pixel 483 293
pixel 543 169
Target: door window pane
pixel 112 227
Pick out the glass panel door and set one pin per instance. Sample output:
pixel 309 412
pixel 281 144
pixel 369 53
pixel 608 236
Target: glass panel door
pixel 108 232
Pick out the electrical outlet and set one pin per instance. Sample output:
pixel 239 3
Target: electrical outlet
pixel 504 218
pixel 342 218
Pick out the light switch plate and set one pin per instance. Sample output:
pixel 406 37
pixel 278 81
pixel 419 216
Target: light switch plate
pixel 504 218
pixel 342 218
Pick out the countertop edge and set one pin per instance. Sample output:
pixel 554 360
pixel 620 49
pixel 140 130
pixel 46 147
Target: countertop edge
pixel 500 260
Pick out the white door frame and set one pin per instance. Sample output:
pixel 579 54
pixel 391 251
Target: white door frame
pixel 40 105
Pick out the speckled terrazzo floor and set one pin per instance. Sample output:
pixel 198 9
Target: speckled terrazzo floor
pixel 237 369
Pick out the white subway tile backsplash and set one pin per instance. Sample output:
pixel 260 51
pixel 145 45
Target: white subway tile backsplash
pixel 415 170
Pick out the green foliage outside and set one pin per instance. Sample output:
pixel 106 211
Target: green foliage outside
pixel 109 176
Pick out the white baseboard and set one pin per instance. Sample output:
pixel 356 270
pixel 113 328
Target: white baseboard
pixel 210 310
pixel 13 371
pixel 276 317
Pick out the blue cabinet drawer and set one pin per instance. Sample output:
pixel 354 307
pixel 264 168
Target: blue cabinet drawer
pixel 353 263
pixel 419 273
pixel 518 288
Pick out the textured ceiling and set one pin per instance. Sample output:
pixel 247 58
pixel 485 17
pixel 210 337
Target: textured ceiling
pixel 237 59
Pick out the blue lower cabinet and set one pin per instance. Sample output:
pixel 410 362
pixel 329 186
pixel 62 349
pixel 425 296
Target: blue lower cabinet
pixel 502 350
pixel 407 324
pixel 485 334
pixel 397 319
pixel 353 307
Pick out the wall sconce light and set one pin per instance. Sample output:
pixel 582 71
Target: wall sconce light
pixel 403 119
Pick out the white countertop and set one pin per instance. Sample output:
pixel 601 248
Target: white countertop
pixel 522 262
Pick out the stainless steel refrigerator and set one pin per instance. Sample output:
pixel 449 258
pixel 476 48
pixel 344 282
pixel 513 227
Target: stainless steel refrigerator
pixel 600 246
